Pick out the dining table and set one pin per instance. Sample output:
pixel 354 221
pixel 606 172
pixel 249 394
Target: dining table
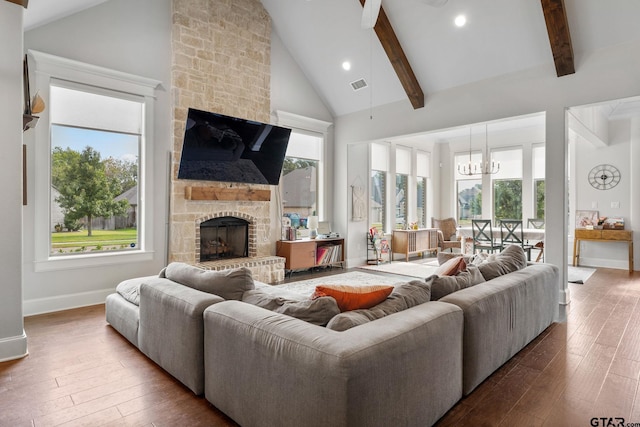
pixel 465 233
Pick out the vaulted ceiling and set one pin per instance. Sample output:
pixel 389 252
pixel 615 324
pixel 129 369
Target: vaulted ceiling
pixel 500 37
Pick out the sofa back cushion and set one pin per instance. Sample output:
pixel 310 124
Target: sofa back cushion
pixel 509 260
pixel 444 285
pixel 228 284
pixel 404 296
pixel 317 311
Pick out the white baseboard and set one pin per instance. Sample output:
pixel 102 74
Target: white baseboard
pixel 12 348
pixel 64 302
pixel 622 264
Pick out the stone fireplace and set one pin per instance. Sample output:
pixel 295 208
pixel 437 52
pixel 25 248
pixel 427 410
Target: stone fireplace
pixel 221 63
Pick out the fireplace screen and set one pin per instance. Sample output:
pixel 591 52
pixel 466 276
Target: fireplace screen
pixel 224 237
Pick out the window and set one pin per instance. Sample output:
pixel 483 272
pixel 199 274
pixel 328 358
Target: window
pixel 402 187
pixel 91 173
pixel 423 162
pixel 302 184
pixel 538 180
pixel 403 198
pixel 301 176
pixel 507 184
pixel 379 161
pixel 468 189
pixel 95 144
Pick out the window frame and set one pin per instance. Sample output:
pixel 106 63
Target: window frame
pixel 50 68
pixel 317 128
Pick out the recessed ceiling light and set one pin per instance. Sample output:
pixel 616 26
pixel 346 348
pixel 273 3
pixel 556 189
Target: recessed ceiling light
pixel 346 65
pixel 460 20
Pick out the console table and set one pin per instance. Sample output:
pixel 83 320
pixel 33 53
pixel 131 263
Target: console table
pixel 409 242
pixel 602 236
pixel 308 253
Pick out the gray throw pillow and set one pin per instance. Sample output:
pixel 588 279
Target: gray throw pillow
pixel 317 311
pixel 445 285
pixel 509 260
pixel 403 296
pixel 228 284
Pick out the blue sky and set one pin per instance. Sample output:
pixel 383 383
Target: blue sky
pixel 109 144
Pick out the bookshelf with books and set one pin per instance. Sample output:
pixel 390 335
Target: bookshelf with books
pixel 309 253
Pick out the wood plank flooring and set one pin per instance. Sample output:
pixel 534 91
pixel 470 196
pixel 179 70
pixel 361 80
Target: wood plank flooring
pixel 81 372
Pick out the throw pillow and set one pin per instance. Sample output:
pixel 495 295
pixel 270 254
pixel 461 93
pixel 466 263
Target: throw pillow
pixel 444 285
pixel 228 284
pixel 354 297
pixel 404 295
pixel 318 311
pixel 511 259
pixel 452 267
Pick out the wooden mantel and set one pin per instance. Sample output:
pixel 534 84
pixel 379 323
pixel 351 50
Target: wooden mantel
pixel 226 194
pixel 22 3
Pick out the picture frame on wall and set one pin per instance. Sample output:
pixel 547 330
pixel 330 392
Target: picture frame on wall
pixel 586 219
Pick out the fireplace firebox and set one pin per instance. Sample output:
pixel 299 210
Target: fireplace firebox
pixel 224 237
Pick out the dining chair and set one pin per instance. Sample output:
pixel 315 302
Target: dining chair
pixel 447 238
pixel 512 234
pixel 483 239
pixel 539 224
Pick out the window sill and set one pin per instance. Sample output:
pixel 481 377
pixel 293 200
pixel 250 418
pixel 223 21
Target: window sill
pixel 91 260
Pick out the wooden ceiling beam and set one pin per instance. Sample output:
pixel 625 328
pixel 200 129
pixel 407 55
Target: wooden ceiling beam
pixel 399 61
pixel 22 3
pixel 555 15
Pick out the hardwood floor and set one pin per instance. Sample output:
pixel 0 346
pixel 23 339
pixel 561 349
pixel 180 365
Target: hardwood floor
pixel 82 372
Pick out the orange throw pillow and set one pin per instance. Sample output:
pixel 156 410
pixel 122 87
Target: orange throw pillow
pixel 354 297
pixel 452 267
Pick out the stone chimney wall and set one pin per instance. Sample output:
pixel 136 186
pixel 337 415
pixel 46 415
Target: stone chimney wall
pixel 221 62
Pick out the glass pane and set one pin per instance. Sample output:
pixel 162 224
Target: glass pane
pixel 507 199
pixel 94 191
pixel 469 200
pixel 299 189
pixel 378 199
pixel 402 182
pixel 421 198
pixel 540 186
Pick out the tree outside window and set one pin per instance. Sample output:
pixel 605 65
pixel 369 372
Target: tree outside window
pixel 378 200
pixel 402 188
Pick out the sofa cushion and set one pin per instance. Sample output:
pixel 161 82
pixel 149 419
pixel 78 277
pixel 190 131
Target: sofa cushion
pixel 130 289
pixel 444 285
pixel 509 260
pixel 228 284
pixel 317 311
pixel 354 297
pixel 404 296
pixel 452 267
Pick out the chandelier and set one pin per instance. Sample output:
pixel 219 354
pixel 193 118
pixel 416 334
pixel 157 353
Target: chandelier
pixel 488 167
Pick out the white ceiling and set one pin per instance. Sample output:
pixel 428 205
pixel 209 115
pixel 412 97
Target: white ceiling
pixel 501 37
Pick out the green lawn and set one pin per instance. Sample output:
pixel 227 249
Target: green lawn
pixel 68 239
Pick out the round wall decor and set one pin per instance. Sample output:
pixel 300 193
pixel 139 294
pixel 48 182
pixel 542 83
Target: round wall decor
pixel 604 177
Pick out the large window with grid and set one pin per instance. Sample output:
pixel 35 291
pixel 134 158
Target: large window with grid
pixel 468 189
pixel 507 184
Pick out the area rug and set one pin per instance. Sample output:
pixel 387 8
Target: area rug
pixel 402 268
pixel 579 275
pixel 356 278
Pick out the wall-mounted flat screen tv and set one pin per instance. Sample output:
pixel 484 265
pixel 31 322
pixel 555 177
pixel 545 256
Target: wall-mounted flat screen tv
pixel 229 149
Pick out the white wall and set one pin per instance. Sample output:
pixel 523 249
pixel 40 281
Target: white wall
pixel 586 156
pixel 13 342
pixel 603 75
pixel 132 37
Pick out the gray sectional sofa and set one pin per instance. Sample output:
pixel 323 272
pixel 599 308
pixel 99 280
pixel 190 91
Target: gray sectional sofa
pixel 263 367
